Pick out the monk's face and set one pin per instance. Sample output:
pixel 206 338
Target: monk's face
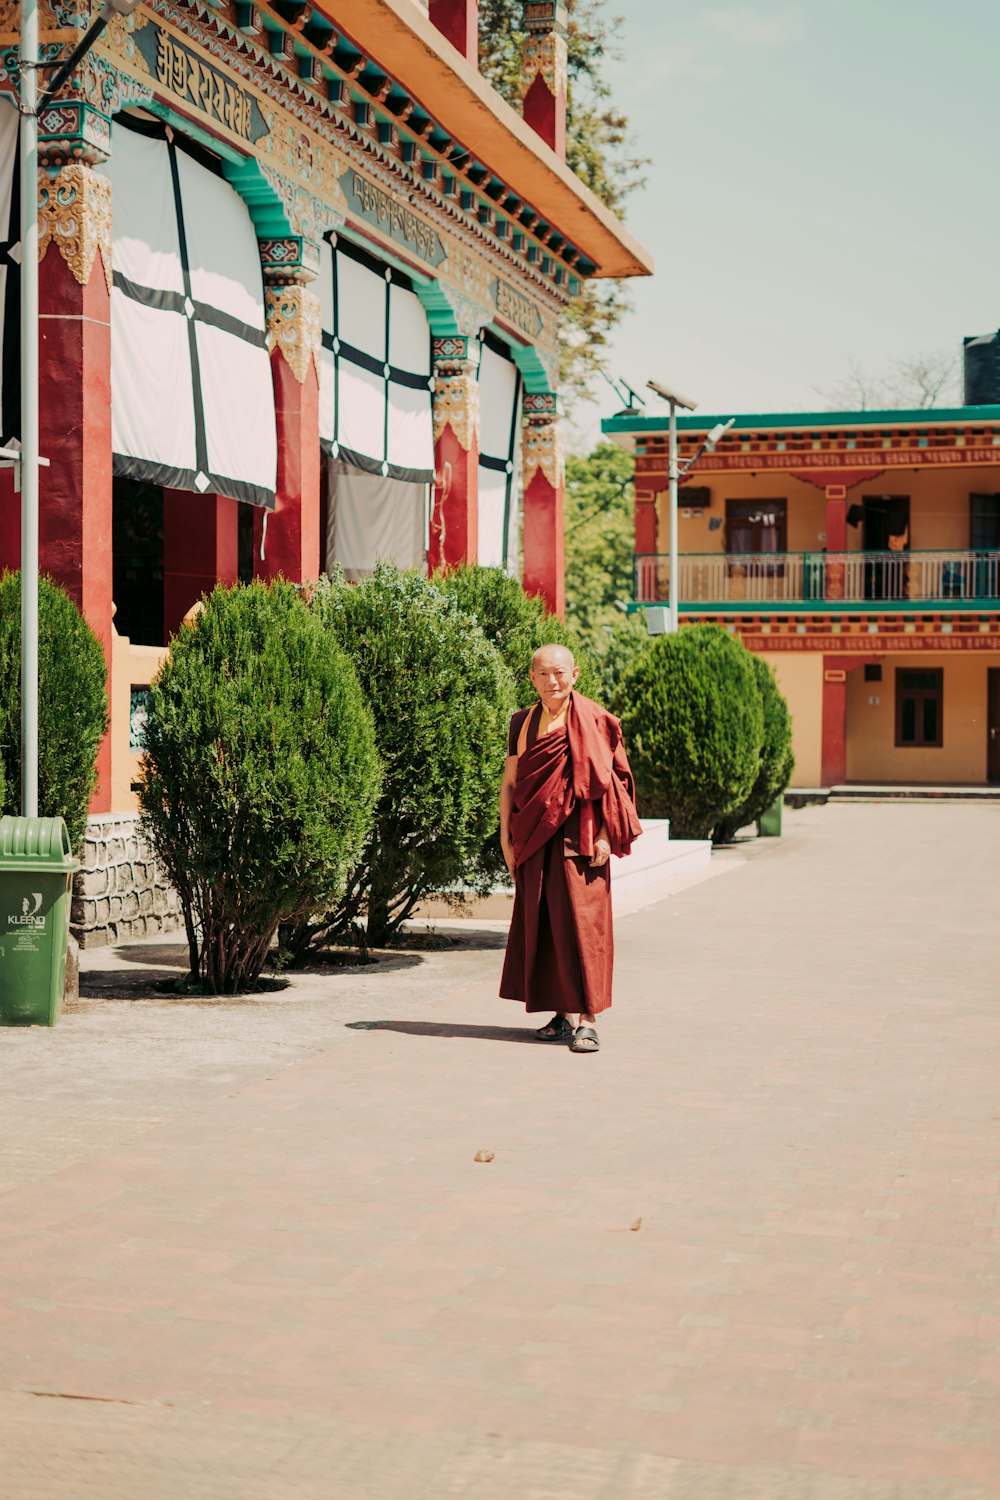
pixel 553 673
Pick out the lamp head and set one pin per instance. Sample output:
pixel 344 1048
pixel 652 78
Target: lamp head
pixel 671 396
pixel 716 435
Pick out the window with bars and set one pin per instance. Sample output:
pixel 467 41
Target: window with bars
pixel 919 707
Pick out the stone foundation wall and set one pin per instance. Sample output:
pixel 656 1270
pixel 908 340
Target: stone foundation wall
pixel 120 893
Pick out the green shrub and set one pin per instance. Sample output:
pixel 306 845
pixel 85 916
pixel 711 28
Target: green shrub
pixel 441 699
pixel 614 647
pixel 72 705
pixel 517 625
pixel 776 758
pixel 260 774
pixel 693 723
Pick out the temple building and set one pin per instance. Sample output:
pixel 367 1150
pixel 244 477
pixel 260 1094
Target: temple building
pixel 859 554
pixel 302 276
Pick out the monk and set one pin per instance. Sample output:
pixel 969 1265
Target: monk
pixel 567 803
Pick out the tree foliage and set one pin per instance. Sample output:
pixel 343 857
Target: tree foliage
pixel 693 721
pixel 441 698
pixel 777 760
pixel 517 624
pixel 599 149
pixel 260 775
pixel 72 705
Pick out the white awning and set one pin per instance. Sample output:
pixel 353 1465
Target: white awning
pixel 375 369
pixel 499 452
pixel 192 396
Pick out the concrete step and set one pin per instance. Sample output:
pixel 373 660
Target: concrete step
pixel 657 858
pixel 881 792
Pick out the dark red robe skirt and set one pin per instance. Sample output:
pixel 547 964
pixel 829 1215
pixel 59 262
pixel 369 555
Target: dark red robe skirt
pixel 560 950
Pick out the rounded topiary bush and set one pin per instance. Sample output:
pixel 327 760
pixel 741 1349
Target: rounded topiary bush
pixel 260 774
pixel 441 699
pixel 72 705
pixel 692 718
pixel 517 624
pixel 777 760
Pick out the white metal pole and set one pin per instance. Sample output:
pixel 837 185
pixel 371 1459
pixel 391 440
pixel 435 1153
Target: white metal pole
pixel 673 612
pixel 29 408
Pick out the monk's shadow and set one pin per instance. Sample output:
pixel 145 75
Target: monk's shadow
pixel 448 1029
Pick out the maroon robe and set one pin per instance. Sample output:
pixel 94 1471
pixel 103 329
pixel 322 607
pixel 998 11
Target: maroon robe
pixel 560 950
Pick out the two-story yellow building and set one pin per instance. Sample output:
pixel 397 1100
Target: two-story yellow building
pixel 859 553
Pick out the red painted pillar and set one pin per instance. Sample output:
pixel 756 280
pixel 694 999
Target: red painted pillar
pixel 458 20
pixel 544 570
pixel 291 543
pixel 834 753
pixel 75 537
pixel 454 529
pixel 836 538
pixel 645 545
pixel 543 88
pixel 200 549
pixel 10 524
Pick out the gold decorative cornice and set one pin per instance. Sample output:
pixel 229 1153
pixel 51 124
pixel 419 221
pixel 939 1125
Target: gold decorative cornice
pixel 74 213
pixel 294 327
pixel 456 404
pixel 545 56
pixel 542 451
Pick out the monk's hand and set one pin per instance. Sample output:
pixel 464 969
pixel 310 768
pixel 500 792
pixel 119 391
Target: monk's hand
pixel 602 853
pixel 508 856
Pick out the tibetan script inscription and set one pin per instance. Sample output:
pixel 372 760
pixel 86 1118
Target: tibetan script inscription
pixel 516 310
pixel 195 82
pixel 372 203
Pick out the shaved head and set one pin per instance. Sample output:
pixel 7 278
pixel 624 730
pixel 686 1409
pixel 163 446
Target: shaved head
pixel 555 655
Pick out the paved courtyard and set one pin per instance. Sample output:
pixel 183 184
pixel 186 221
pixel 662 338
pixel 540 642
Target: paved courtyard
pixel 751 1251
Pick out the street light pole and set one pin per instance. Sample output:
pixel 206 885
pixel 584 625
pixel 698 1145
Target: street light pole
pixel 28 188
pixel 673 479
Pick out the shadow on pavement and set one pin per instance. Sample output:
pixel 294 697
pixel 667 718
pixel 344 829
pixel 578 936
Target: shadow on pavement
pixel 447 1028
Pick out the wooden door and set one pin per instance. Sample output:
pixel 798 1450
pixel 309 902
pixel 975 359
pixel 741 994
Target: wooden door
pixel 993 726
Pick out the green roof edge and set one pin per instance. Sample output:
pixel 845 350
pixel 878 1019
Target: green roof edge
pixel 928 416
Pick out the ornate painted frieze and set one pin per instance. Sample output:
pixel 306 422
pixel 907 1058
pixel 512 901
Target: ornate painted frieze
pixel 294 326
pixel 74 214
pixel 542 450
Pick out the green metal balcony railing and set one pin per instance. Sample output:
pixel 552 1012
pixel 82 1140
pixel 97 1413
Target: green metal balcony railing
pixel 790 578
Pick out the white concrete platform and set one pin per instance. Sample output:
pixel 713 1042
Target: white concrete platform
pixel 656 858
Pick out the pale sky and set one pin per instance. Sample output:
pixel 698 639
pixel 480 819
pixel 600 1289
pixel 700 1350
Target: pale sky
pixel 825 186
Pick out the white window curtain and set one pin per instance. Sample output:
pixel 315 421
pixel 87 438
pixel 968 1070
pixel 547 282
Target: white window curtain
pixel 375 371
pixel 10 276
pixel 499 451
pixel 192 397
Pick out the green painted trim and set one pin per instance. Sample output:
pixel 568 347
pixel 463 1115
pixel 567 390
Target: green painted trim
pixel 989 607
pixel 952 416
pixel 243 173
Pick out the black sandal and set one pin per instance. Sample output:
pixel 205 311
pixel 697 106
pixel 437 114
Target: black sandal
pixel 585 1039
pixel 556 1030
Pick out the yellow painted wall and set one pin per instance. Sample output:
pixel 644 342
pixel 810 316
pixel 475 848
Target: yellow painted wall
pixel 939 507
pixel 800 678
pixel 131 666
pixel 872 754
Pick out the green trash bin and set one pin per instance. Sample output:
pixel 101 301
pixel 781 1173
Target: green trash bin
pixel 769 826
pixel 36 873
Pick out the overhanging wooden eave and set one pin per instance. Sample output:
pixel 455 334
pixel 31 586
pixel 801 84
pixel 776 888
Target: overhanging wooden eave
pixel 398 37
